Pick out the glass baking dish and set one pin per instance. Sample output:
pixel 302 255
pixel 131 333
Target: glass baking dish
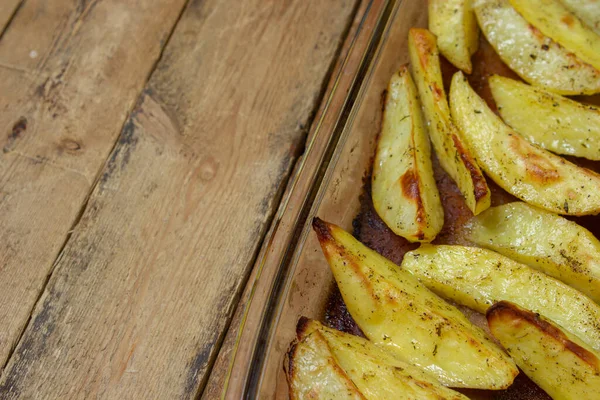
pixel 292 278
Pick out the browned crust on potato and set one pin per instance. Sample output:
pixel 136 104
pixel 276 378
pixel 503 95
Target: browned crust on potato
pixel 329 242
pixel 426 43
pixel 301 327
pixel 507 310
pixel 409 184
pixel 288 367
pixel 480 187
pixel 537 168
pixel 322 230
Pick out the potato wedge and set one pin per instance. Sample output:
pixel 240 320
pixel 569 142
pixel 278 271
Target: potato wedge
pixel 560 125
pixel 478 278
pixel 534 57
pixel 561 365
pixel 587 11
pixel 555 21
pixel 522 169
pixel 455 25
pixel 403 188
pixel 377 374
pixel 313 373
pixel 544 241
pixel 395 311
pixel 452 153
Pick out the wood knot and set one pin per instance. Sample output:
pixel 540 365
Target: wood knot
pixel 17 130
pixel 208 169
pixel 70 145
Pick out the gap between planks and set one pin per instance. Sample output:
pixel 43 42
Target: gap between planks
pixel 283 187
pixel 99 173
pixel 4 25
pixel 332 33
pixel 84 205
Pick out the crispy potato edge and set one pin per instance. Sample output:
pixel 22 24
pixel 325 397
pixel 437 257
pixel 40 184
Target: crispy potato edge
pixel 506 310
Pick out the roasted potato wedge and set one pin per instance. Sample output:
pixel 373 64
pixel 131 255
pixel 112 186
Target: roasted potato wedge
pixel 403 188
pixel 313 373
pixel 555 21
pixel 395 311
pixel 559 363
pixel 377 374
pixel 452 153
pixel 522 169
pixel 478 278
pixel 454 24
pixel 560 125
pixel 544 241
pixel 587 11
pixel 534 57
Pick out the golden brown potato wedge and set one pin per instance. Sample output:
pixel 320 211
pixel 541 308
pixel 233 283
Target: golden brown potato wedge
pixel 313 373
pixel 544 241
pixel 377 374
pixel 526 171
pixel 534 57
pixel 394 310
pixel 454 24
pixel 559 363
pixel 403 188
pixel 453 154
pixel 478 278
pixel 587 11
pixel 554 20
pixel 560 125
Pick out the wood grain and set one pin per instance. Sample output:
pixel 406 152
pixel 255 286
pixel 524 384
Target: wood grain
pixel 70 72
pixel 145 286
pixel 226 381
pixel 7 10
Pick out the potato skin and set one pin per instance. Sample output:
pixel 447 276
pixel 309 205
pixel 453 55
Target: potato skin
pixel 561 125
pixel 544 63
pixel 453 154
pixel 454 24
pixel 403 188
pixel 559 363
pixel 544 241
pixel 526 171
pixel 394 310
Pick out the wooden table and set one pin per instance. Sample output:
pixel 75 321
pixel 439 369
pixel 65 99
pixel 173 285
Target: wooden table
pixel 145 147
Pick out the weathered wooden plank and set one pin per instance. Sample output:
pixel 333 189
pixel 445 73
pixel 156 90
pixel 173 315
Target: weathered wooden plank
pixel 70 72
pixel 7 9
pixel 146 284
pixel 227 376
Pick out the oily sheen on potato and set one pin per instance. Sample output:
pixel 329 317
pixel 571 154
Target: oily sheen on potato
pixel 478 278
pixel 452 152
pixel 403 188
pixel 544 241
pixel 554 20
pixel 526 171
pixel 558 362
pixel 376 373
pixel 453 23
pixel 561 125
pixel 534 57
pixel 394 310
